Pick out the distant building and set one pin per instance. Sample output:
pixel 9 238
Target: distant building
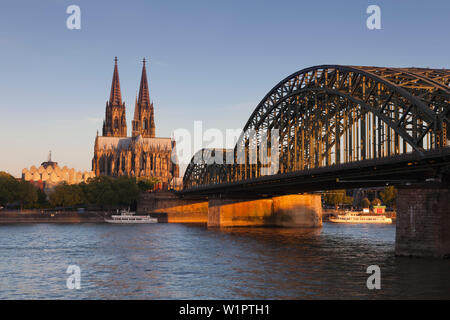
pixel 49 174
pixel 142 154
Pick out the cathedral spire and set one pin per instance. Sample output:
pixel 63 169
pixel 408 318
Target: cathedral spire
pixel 144 122
pixel 136 108
pixel 115 124
pixel 144 96
pixel 115 98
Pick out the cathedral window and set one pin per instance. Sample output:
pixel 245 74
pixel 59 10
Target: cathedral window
pixel 116 123
pixel 108 167
pixel 143 162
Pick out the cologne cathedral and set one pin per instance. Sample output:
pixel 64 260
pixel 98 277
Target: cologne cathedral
pixel 142 154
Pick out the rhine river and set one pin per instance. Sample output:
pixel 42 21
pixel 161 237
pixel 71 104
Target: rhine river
pixel 176 261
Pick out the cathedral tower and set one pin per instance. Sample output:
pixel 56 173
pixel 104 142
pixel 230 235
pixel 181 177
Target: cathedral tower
pixel 115 124
pixel 142 155
pixel 143 123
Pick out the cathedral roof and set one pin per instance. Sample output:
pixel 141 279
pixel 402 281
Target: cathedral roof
pixel 117 143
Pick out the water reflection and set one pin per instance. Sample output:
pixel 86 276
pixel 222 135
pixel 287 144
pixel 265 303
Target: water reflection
pixel 169 261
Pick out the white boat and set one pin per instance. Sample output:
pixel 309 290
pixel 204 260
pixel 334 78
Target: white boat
pixel 356 217
pixel 127 217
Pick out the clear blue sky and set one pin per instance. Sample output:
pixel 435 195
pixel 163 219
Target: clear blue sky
pixel 209 60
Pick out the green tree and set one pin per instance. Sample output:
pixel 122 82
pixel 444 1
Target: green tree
pixel 126 191
pixel 65 195
pixel 13 191
pixel 42 201
pixel 365 203
pixel 108 192
pixel 98 191
pixel 334 197
pixel 389 195
pixel 146 184
pixel 103 192
pixel 376 202
pixel 26 194
pixel 347 200
pixel 8 188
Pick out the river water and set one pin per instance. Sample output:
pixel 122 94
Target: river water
pixel 176 261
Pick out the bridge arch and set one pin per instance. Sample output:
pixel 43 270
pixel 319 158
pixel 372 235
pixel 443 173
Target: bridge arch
pixel 331 114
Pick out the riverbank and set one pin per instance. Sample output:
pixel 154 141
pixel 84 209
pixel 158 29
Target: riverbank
pixel 98 216
pixel 7 217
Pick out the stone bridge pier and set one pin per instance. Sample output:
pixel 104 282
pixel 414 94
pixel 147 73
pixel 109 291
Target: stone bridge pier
pixel 299 210
pixel 168 207
pixel 423 221
pixel 423 215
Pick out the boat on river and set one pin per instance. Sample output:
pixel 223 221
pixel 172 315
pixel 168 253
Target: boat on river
pixel 127 217
pixel 356 217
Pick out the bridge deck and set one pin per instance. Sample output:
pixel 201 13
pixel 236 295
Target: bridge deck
pixel 401 169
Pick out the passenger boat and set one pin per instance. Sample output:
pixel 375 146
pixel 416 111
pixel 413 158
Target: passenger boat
pixel 127 217
pixel 356 217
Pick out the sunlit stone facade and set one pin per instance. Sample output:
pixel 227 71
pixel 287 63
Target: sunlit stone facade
pixel 142 154
pixel 50 174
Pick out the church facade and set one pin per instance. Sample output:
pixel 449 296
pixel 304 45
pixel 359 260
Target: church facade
pixel 142 154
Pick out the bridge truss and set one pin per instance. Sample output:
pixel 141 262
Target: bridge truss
pixel 332 115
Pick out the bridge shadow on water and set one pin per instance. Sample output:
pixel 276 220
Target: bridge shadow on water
pixel 331 263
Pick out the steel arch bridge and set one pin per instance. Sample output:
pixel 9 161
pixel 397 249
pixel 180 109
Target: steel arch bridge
pixel 335 117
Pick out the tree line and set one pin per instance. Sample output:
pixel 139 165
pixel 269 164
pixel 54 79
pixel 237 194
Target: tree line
pixel 337 198
pixel 106 193
pixel 99 192
pixel 20 193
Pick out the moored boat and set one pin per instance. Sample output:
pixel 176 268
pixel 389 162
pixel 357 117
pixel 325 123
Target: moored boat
pixel 356 217
pixel 127 217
